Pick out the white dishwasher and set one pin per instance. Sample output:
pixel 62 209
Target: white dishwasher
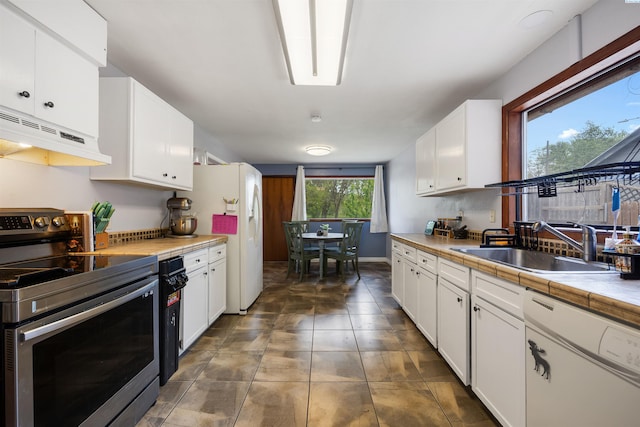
pixel 582 369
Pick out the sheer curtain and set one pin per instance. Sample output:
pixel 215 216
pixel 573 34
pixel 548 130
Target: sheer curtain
pixel 299 212
pixel 378 205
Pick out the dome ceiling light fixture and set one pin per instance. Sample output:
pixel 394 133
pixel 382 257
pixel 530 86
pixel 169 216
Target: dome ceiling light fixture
pixel 535 19
pixel 318 150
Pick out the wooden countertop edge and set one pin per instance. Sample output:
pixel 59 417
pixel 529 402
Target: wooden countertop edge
pixel 608 306
pixel 163 248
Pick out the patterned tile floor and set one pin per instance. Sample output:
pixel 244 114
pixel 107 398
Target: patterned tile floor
pixel 325 352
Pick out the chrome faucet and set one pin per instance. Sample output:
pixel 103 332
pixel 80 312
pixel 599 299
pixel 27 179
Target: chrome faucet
pixel 589 239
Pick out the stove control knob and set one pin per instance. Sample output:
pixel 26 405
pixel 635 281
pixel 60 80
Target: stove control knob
pixel 58 221
pixel 42 221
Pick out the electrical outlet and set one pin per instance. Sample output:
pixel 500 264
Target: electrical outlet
pixel 492 215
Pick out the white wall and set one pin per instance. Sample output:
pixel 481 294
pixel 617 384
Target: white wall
pixel 408 213
pixel 600 25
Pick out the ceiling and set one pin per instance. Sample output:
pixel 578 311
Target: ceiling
pixel 408 63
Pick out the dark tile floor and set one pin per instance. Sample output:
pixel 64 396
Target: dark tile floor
pixel 325 352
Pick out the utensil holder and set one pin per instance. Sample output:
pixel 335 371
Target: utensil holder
pixel 102 241
pixel 628 265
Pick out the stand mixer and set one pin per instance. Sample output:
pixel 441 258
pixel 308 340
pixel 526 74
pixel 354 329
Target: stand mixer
pixel 181 225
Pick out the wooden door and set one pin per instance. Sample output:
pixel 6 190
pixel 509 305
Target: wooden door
pixel 277 201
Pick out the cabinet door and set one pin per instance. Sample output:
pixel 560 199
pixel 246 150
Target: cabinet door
pixel 194 306
pixel 426 163
pixel 410 276
pixel 181 151
pixel 427 313
pixel 397 285
pixel 454 328
pixel 498 355
pixel 151 136
pixel 217 289
pixel 17 67
pixel 451 150
pixel 66 87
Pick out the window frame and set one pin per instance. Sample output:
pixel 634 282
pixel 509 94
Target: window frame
pixel 618 51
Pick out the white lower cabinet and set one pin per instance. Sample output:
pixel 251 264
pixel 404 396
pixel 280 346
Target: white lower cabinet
pixel 498 349
pixel 410 277
pixel 475 320
pixel 454 328
pixel 397 285
pixel 217 282
pixel 193 312
pixel 427 313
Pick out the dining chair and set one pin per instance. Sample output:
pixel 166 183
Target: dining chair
pixel 300 256
pixel 348 248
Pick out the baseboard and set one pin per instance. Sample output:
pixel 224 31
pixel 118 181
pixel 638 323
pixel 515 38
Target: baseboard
pixel 368 259
pixel 374 259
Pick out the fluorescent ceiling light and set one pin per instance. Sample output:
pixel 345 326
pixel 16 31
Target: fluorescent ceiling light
pixel 318 150
pixel 314 39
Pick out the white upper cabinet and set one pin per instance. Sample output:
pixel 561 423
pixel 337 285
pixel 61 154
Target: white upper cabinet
pixel 67 87
pixel 462 152
pixel 17 65
pixel 426 163
pixel 42 75
pixel 73 21
pixel 151 143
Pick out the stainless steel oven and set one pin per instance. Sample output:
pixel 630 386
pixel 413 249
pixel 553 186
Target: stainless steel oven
pixel 80 332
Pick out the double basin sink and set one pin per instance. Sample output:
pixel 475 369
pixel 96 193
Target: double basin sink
pixel 535 261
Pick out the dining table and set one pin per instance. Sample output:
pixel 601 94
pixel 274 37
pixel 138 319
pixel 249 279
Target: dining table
pixel 322 239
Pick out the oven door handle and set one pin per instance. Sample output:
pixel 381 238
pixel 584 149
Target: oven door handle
pixel 85 315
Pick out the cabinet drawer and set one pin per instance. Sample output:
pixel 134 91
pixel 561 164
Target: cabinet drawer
pixel 427 261
pixel 455 273
pixel 504 295
pixel 217 252
pixel 409 253
pixel 196 259
pixel 396 247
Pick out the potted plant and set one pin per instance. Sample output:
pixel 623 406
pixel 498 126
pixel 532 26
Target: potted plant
pixel 324 230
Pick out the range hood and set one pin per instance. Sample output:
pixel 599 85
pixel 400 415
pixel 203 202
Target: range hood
pixel 28 139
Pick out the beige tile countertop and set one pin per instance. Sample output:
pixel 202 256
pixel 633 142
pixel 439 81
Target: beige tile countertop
pixel 164 247
pixel 604 293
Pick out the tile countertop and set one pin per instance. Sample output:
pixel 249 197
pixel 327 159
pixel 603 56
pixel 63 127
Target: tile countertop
pixel 164 247
pixel 604 293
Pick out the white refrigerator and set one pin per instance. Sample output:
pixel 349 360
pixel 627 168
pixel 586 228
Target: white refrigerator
pixel 235 190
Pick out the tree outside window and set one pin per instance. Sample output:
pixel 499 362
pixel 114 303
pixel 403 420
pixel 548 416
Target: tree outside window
pixel 568 132
pixel 339 197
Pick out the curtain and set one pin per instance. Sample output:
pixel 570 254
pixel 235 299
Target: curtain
pixel 378 205
pixel 299 212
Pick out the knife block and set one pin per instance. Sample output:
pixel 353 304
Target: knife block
pixel 102 240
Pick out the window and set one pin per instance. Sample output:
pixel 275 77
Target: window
pixel 339 197
pixel 592 70
pixel 570 131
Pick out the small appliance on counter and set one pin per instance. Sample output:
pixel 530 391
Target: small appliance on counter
pixel 181 225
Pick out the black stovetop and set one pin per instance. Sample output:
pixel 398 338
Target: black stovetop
pixel 40 270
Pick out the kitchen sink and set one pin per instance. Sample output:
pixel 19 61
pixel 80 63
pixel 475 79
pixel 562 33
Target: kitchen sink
pixel 535 261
